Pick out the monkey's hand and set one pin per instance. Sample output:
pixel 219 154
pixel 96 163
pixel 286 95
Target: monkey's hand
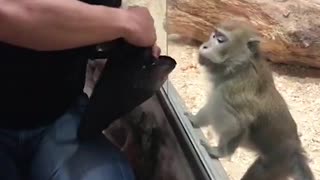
pixel 212 151
pixel 188 114
pixel 192 119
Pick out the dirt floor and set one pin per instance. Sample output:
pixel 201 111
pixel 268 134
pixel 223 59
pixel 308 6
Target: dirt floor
pixel 299 86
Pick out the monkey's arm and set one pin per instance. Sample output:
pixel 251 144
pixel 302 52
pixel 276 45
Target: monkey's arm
pixel 219 114
pixel 202 118
pixel 232 113
pixel 230 131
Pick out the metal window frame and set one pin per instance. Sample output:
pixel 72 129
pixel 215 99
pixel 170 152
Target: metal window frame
pixel 204 167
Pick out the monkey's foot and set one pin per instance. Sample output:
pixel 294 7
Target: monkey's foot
pixel 212 151
pixel 229 158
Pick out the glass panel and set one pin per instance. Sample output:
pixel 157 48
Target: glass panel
pixel 290 42
pixel 158 9
pixel 156 138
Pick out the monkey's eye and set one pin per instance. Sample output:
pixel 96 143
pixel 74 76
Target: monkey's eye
pixel 221 39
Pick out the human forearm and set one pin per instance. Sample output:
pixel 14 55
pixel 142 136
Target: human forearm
pixel 59 24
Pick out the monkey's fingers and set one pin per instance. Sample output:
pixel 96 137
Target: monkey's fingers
pixel 194 124
pixel 189 115
pixel 191 119
pixel 205 144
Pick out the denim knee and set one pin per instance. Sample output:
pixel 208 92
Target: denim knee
pixel 110 169
pixel 89 163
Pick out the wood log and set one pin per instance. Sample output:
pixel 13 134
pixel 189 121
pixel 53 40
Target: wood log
pixel 290 29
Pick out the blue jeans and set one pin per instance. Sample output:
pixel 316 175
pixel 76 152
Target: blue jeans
pixel 54 153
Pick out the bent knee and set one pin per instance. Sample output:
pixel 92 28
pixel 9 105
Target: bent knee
pixel 109 165
pixel 114 170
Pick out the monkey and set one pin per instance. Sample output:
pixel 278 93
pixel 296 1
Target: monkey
pixel 245 108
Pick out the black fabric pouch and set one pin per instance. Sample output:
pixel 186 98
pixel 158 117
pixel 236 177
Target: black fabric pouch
pixel 131 76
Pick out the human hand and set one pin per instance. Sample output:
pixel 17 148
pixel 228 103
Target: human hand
pixel 156 51
pixel 140 27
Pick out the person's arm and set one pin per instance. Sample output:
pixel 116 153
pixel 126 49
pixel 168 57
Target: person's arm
pixel 61 24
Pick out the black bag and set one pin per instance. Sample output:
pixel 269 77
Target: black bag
pixel 131 76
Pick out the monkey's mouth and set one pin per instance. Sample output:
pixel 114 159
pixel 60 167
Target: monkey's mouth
pixel 204 61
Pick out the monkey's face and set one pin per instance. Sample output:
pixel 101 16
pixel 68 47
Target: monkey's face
pixel 229 47
pixel 214 49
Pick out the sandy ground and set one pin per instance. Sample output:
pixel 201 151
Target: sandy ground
pixel 300 87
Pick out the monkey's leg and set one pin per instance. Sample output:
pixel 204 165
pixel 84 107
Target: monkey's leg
pixel 300 168
pixel 255 170
pixel 227 145
pixel 266 170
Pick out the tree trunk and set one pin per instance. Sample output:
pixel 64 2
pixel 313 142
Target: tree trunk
pixel 290 29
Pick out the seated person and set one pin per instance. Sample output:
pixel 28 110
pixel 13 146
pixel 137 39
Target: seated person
pixel 42 74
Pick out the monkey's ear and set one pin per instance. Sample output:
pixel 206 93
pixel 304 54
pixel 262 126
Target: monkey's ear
pixel 253 44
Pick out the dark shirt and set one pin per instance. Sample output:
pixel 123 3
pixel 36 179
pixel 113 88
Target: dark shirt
pixel 38 87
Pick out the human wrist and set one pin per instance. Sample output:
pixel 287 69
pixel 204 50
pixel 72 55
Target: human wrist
pixel 124 23
pixel 109 23
pixel 120 22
